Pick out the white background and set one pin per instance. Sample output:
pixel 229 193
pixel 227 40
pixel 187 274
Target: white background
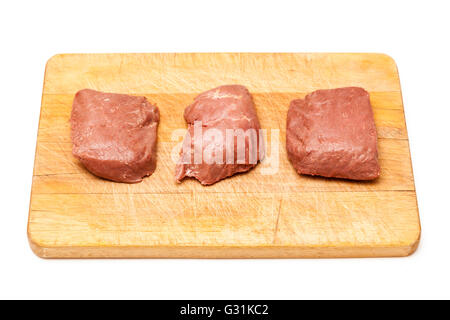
pixel 414 33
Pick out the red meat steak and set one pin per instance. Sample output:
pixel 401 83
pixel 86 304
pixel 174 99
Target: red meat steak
pixel 114 135
pixel 332 133
pixel 229 142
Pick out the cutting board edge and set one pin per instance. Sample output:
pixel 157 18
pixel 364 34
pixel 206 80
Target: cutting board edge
pixel 55 59
pixel 223 252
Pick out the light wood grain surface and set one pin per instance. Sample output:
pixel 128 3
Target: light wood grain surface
pixel 74 214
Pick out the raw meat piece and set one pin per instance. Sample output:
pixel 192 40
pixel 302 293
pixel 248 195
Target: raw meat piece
pixel 114 135
pixel 217 113
pixel 332 133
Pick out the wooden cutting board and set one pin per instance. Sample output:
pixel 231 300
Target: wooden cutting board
pixel 266 213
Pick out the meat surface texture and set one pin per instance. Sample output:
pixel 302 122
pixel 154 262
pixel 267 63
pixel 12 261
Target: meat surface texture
pixel 332 133
pixel 114 135
pixel 230 133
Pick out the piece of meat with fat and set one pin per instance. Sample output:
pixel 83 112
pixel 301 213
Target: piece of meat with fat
pixel 114 135
pixel 223 110
pixel 332 133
